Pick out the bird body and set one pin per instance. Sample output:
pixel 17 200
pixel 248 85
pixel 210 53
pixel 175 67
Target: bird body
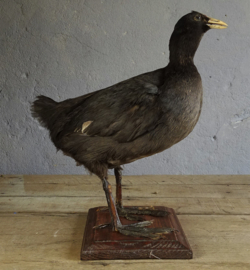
pixel 135 118
pixel 127 121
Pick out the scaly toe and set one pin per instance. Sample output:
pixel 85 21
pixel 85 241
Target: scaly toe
pixel 141 211
pixel 153 233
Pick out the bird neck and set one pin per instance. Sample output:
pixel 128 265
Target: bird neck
pixel 183 47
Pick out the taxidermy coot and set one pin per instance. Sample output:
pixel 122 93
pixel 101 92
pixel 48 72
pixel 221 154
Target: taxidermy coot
pixel 133 119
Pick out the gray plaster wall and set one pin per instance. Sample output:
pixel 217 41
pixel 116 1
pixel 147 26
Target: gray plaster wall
pixel 66 48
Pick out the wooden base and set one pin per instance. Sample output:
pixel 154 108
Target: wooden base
pixel 104 244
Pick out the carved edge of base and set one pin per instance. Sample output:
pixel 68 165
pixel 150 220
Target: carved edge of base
pixel 136 254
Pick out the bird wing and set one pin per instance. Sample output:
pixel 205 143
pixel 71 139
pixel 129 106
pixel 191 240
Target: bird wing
pixel 124 111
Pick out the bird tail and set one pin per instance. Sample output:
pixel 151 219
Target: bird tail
pixel 44 110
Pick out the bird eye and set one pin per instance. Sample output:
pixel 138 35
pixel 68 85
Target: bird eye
pixel 197 18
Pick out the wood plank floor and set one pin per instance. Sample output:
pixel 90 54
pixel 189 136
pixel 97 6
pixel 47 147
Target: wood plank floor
pixel 42 219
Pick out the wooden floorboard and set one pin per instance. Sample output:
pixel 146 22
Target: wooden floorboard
pixel 147 191
pixel 42 220
pixel 182 206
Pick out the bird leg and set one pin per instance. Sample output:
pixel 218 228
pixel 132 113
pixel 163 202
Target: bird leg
pixel 118 178
pixel 131 212
pixel 115 220
pixel 136 229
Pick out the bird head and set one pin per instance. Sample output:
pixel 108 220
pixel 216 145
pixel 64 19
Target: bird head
pixel 187 34
pixel 196 21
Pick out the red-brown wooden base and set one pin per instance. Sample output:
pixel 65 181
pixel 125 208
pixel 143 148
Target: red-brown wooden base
pixel 104 244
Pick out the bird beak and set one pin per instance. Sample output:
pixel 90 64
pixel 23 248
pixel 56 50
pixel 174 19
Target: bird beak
pixel 216 24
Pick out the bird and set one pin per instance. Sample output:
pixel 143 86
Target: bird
pixel 132 119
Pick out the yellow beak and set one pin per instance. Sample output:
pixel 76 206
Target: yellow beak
pixel 216 24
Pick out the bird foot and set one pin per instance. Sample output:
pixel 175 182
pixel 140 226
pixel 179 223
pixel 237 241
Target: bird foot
pixel 140 231
pixel 136 225
pixel 130 216
pixel 131 212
